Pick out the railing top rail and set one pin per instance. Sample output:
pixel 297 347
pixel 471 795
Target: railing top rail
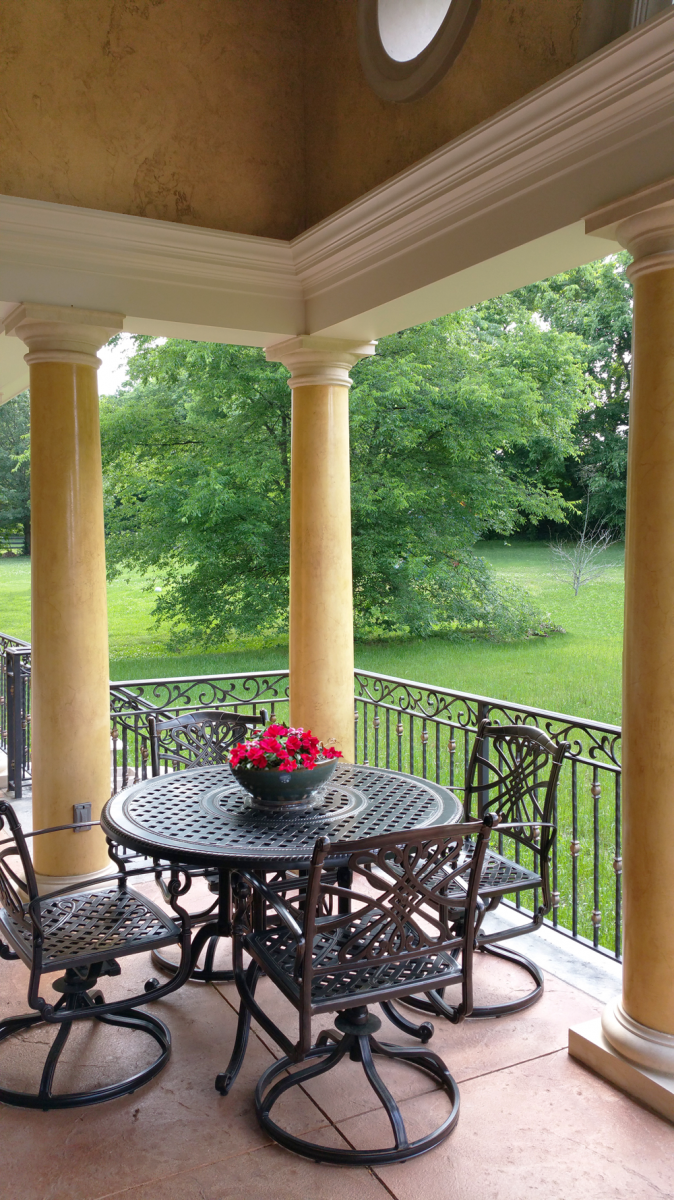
pixel 472 696
pixel 130 683
pixel 8 639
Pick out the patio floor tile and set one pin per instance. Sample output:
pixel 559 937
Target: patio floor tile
pixel 544 1128
pixel 176 1122
pixel 470 1049
pixel 533 1122
pixel 267 1174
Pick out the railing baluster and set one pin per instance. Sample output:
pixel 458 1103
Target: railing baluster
pixel 618 869
pixel 575 846
pixel 596 911
pixel 375 724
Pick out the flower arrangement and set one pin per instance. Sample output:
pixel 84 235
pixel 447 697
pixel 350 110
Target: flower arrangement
pixel 283 748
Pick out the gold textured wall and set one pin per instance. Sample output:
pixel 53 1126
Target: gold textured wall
pixel 246 115
pixel 356 141
pixel 183 110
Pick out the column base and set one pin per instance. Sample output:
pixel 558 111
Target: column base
pixel 54 883
pixel 589 1044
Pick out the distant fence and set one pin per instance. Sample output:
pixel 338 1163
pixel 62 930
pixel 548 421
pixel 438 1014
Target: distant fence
pixel 406 726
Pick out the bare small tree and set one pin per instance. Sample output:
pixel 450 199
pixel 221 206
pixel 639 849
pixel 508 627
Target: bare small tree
pixel 580 560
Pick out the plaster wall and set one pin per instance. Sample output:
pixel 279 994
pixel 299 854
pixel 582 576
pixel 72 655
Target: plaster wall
pixel 182 110
pixel 356 141
pixel 252 116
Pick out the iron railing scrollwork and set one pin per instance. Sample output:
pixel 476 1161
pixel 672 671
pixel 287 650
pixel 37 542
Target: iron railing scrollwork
pixel 428 731
pixel 403 725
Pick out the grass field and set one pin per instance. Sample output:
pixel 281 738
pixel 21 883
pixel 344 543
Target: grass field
pixel 575 672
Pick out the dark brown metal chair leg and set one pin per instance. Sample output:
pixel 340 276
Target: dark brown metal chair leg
pixel 358 1028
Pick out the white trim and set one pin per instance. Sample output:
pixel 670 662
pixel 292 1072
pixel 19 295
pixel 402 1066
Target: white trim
pixel 499 207
pixel 654 262
pixel 649 1048
pixel 604 104
pixel 317 360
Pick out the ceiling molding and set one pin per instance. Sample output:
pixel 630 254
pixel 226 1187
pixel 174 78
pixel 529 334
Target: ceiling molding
pixel 140 247
pixel 501 206
pixel 597 107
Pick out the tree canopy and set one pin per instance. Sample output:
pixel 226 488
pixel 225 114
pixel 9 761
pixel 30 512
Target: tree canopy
pixel 595 303
pixel 197 464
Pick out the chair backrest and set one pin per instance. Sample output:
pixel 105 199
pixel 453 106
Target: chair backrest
pixel 513 772
pixel 197 739
pixel 17 877
pixel 412 895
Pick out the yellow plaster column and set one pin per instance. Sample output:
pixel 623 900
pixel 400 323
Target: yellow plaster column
pixel 321 591
pixel 70 677
pixel 635 1047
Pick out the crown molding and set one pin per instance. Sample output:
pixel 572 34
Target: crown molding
pixel 140 247
pixel 603 106
pixel 500 206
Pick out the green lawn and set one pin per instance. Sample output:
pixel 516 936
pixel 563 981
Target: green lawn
pixel 576 672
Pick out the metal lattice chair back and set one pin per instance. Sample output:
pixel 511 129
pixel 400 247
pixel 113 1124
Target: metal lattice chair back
pixel 17 878
pixel 397 926
pixel 513 772
pixel 400 920
pixel 83 933
pixel 197 739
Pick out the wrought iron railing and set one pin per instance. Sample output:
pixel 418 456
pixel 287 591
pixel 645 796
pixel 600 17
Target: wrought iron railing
pixel 15 709
pixel 426 731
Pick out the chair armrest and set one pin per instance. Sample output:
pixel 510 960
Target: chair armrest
pixel 274 901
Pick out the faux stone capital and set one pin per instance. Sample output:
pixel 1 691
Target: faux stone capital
pixel 62 334
pixel 638 1043
pixel 319 360
pixel 649 237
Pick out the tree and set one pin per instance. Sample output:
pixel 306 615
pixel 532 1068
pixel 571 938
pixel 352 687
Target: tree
pixel 197 463
pixel 595 303
pixel 15 468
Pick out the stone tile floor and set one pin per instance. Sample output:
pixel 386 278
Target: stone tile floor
pixel 533 1123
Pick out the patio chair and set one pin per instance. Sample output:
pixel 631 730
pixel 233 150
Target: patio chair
pixel 388 934
pixel 83 934
pixel 513 771
pixel 198 739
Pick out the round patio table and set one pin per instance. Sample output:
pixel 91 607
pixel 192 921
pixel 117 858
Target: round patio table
pixel 203 817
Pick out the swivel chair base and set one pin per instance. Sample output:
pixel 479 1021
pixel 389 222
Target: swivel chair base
pixel 434 1002
pixel 205 974
pixel 356 1039
pixel 78 995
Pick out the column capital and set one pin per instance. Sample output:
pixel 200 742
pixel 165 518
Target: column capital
pixel 312 359
pixel 643 223
pixel 62 334
pixel 649 237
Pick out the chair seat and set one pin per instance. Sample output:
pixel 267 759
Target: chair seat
pixel 501 875
pixel 91 926
pixel 276 947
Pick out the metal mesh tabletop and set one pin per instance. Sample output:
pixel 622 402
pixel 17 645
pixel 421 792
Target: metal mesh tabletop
pixel 204 816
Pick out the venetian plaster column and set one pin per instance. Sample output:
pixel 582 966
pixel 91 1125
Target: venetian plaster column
pixel 321 589
pixel 640 1026
pixel 70 676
